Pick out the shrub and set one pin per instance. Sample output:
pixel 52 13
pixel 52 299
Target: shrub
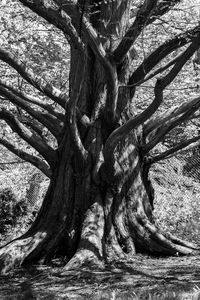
pixel 176 200
pixel 10 210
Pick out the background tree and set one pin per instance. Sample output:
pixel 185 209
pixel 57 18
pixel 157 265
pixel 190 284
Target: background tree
pixel 99 203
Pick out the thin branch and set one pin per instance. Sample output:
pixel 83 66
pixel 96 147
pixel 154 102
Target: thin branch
pixel 135 29
pixel 50 122
pixel 174 149
pixel 162 8
pixel 34 160
pixel 27 135
pixel 36 81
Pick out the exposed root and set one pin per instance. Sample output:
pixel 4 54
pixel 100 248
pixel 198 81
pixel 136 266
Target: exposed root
pixel 173 244
pixel 159 243
pixel 181 242
pixel 84 258
pixel 90 250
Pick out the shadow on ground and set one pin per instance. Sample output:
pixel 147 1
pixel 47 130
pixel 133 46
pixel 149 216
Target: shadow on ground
pixel 142 278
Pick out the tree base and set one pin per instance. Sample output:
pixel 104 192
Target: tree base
pixel 94 251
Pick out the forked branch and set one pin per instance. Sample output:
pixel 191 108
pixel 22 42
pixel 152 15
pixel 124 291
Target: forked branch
pixel 135 29
pixel 161 52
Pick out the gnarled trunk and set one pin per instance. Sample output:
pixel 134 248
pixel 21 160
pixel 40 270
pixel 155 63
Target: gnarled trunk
pixel 95 214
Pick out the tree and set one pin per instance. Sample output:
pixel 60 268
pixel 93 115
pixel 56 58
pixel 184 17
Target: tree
pixel 98 207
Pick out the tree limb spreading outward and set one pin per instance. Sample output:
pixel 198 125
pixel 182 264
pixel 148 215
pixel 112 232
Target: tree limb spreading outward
pixel 174 149
pixel 161 84
pixel 50 122
pixel 33 100
pixel 58 18
pixel 34 160
pixel 161 52
pixel 36 81
pixel 159 120
pixel 146 15
pixel 27 135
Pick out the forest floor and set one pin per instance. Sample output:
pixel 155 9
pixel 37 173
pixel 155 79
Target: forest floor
pixel 143 278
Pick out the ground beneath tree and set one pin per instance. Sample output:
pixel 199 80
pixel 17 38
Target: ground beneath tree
pixel 142 278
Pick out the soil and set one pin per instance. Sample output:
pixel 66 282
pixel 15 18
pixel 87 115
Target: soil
pixel 142 278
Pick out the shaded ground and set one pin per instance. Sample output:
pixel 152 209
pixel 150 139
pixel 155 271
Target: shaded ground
pixel 143 278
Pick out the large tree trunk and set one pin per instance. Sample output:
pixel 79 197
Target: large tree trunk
pixel 93 215
pixel 99 204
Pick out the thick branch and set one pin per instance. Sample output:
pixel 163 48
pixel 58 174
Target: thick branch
pixel 91 36
pixel 157 71
pixel 181 61
pixel 50 122
pixel 71 114
pixel 160 86
pixel 160 133
pixel 174 149
pixel 110 69
pixel 72 18
pixel 120 132
pixel 27 135
pixel 161 52
pixel 32 124
pixel 34 160
pixel 36 81
pixel 57 18
pixel 135 29
pixel 169 116
pixel 33 100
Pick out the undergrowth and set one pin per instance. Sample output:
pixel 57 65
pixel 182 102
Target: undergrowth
pixel 176 201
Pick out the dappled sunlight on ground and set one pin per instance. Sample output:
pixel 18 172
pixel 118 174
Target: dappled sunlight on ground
pixel 142 278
